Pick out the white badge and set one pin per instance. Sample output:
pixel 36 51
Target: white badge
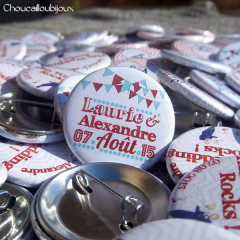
pixel 119 114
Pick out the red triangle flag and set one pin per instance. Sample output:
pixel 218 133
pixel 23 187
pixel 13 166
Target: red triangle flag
pixel 118 88
pixel 97 86
pixel 117 80
pixel 132 94
pixel 154 93
pixel 149 102
pixel 136 86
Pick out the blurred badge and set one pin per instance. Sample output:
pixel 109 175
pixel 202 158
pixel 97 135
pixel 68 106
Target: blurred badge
pixel 84 62
pixel 42 81
pixel 198 146
pixel 63 91
pixel 210 193
pixel 119 114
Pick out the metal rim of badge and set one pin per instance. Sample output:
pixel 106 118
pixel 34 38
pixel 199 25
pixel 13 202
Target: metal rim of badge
pixel 190 198
pixel 147 28
pixel 204 65
pixel 15 212
pixel 233 79
pixel 62 92
pixel 197 146
pixel 216 87
pixel 28 128
pixel 96 189
pixel 195 95
pixel 195 49
pixel 135 105
pixel 42 81
pixel 29 165
pixel 173 228
pixel 237 118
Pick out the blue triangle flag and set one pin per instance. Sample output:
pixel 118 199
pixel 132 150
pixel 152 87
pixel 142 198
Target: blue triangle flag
pixel 126 86
pixel 156 105
pixel 145 91
pixel 161 93
pixel 144 83
pixel 107 72
pixel 85 83
pixel 108 87
pixel 140 98
pixel 61 89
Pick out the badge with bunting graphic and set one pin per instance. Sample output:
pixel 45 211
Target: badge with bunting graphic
pixel 119 114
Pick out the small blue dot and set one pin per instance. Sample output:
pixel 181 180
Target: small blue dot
pixel 103 102
pixel 137 110
pixel 101 150
pixel 132 157
pixel 116 105
pixel 83 146
pixel 142 111
pixel 105 150
pixel 146 112
pixel 136 158
pixel 110 152
pixel 99 101
pixel 92 148
pixel 120 105
pixel 128 156
pixel 159 115
pixel 141 159
pixel 79 145
pixel 114 153
pixel 124 107
pixel 94 100
pixel 88 146
pixel 150 113
pixel 123 154
pixel 145 160
pixel 119 154
pixel 107 103
pixel 75 144
pixel 112 104
pixel 92 142
pixel 138 152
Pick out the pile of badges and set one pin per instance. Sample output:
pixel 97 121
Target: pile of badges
pixel 84 116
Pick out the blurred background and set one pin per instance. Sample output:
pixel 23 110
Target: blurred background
pixel 228 7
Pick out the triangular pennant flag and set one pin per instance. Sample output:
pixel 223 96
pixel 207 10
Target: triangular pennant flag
pixel 161 93
pixel 132 94
pixel 154 93
pixel 118 88
pixel 149 102
pixel 140 98
pixel 97 86
pixel 145 91
pixel 61 89
pixel 126 86
pixel 156 105
pixel 136 86
pixel 66 93
pixel 85 83
pixel 117 80
pixel 107 72
pixel 144 83
pixel 107 87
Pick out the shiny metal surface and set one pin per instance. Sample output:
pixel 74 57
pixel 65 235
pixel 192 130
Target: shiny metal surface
pixel 29 121
pixel 63 213
pixel 15 218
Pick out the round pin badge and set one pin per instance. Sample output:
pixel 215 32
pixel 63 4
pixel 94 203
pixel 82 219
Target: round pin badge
pixel 149 35
pixel 119 114
pixel 8 71
pixel 195 95
pixel 198 146
pixel 45 38
pixel 233 79
pixel 193 62
pixel 147 28
pixel 84 62
pixel 11 49
pixel 196 49
pixel 229 55
pixel 142 53
pixel 216 87
pixel 63 91
pixel 29 165
pixel 176 229
pixel 210 193
pixel 42 81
